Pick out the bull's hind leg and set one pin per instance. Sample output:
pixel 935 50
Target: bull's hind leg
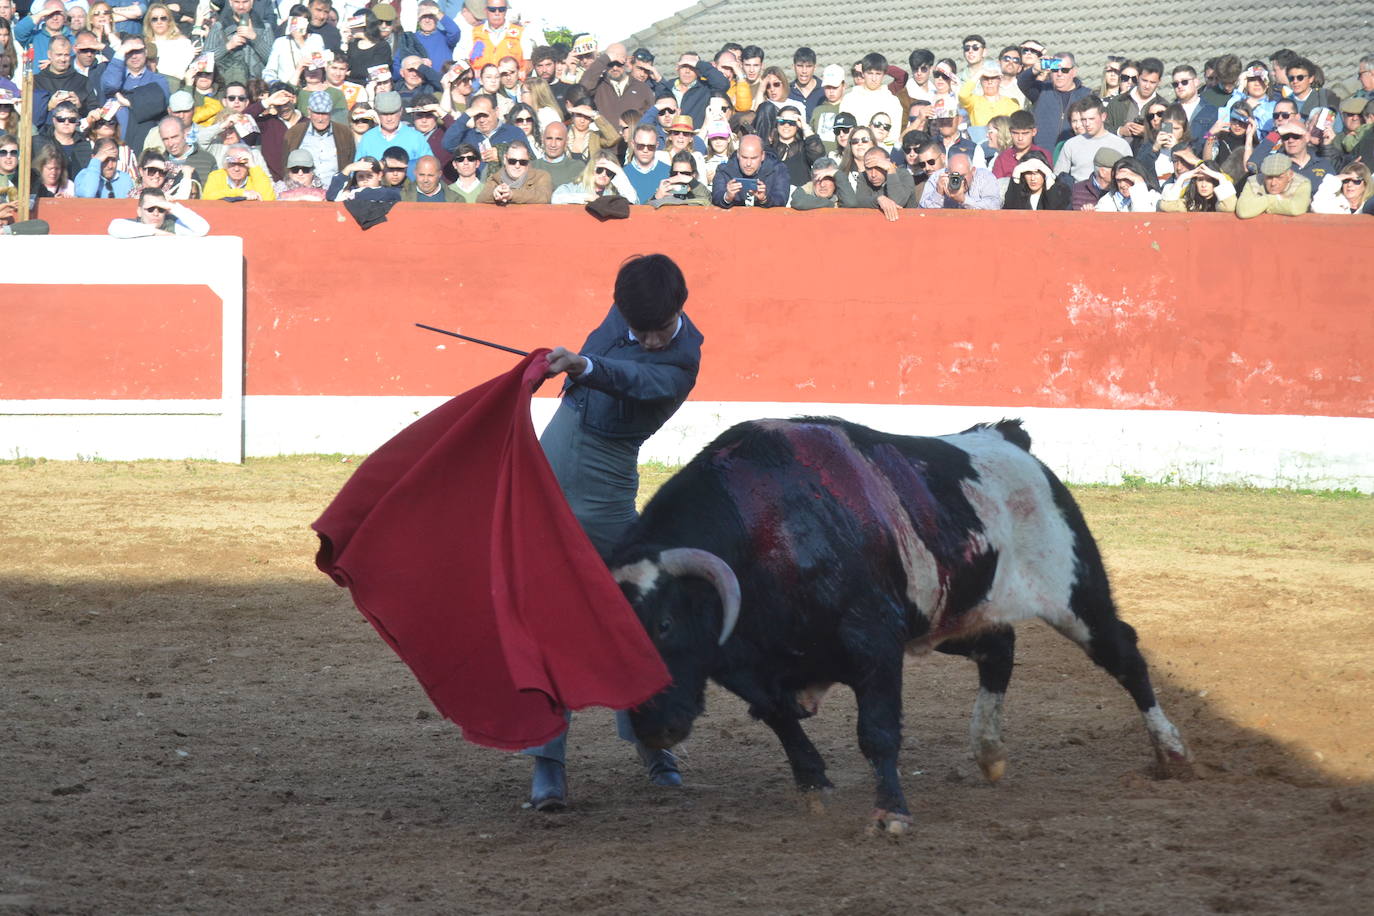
pixel 993 651
pixel 1111 643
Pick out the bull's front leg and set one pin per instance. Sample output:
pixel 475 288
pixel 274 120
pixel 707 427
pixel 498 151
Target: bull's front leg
pixel 808 767
pixel 879 697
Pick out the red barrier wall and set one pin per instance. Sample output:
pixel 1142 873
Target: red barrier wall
pixel 1049 309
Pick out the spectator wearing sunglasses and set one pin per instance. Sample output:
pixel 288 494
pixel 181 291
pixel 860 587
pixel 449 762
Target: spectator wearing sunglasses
pixel 1347 193
pixel 240 179
pixel 515 182
pixel 331 145
pixel 793 145
pixel 614 90
pixel 157 216
pixel 1202 115
pixel 1050 93
pixel 301 181
pixel 975 49
pixel 1110 86
pixel 682 187
pixel 465 166
pixel 1305 89
pixel 643 169
pixel 495 38
pixel 155 171
pixel 982 96
pixel 63 133
pixel 142 92
pixel 602 177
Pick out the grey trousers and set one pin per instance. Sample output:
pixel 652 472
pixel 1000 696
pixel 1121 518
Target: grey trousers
pixel 600 478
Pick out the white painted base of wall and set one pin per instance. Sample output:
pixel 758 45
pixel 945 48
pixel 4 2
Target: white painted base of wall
pixel 1082 446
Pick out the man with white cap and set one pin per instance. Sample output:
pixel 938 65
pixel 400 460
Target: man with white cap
pixel 182 106
pixel 1276 189
pixel 822 117
pixel 1293 143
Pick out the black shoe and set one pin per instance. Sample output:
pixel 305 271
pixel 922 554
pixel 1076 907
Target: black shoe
pixel 662 766
pixel 549 788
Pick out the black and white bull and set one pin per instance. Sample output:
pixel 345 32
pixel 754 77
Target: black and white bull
pixel 791 555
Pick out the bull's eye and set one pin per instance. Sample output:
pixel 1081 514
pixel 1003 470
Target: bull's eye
pixel 664 626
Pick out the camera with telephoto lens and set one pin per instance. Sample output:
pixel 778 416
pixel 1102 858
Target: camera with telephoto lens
pixel 956 181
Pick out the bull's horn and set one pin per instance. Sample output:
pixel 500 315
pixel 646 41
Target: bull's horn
pixel 689 561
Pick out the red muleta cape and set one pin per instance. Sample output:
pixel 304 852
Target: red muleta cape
pixel 458 545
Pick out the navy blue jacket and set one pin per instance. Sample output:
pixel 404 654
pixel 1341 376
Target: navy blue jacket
pixel 631 392
pixel 461 131
pixel 1050 107
pixel 771 172
pixel 694 99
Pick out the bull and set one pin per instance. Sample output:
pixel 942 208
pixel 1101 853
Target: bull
pixel 792 555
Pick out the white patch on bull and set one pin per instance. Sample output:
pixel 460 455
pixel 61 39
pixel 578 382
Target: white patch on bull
pixel 1035 568
pixel 985 729
pixel 642 574
pixel 1168 743
pixel 923 587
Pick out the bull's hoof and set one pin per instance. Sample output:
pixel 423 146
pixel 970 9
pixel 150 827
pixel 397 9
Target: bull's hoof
pixel 888 823
pixel 815 800
pixel 1173 764
pixel 994 766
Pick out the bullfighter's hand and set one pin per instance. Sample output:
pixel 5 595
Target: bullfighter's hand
pixel 561 359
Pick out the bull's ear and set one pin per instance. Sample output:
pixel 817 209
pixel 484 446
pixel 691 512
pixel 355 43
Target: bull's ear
pixel 689 561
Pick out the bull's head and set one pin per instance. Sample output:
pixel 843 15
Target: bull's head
pixel 688 601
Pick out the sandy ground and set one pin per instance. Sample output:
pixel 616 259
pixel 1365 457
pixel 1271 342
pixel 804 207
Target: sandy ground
pixel 196 720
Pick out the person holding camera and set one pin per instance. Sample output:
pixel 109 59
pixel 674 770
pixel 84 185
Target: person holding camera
pixel 1051 84
pixel 751 179
pixel 681 187
pixel 960 186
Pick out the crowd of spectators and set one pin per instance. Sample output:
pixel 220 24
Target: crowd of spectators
pixel 261 100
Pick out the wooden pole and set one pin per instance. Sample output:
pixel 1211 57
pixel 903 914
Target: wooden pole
pixel 26 136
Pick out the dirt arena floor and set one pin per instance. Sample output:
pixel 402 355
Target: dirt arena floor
pixel 195 720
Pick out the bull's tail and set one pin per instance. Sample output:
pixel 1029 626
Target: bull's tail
pixel 1011 430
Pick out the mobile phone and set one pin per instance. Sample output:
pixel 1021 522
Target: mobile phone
pixel 748 185
pixel 1051 63
pixel 1167 128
